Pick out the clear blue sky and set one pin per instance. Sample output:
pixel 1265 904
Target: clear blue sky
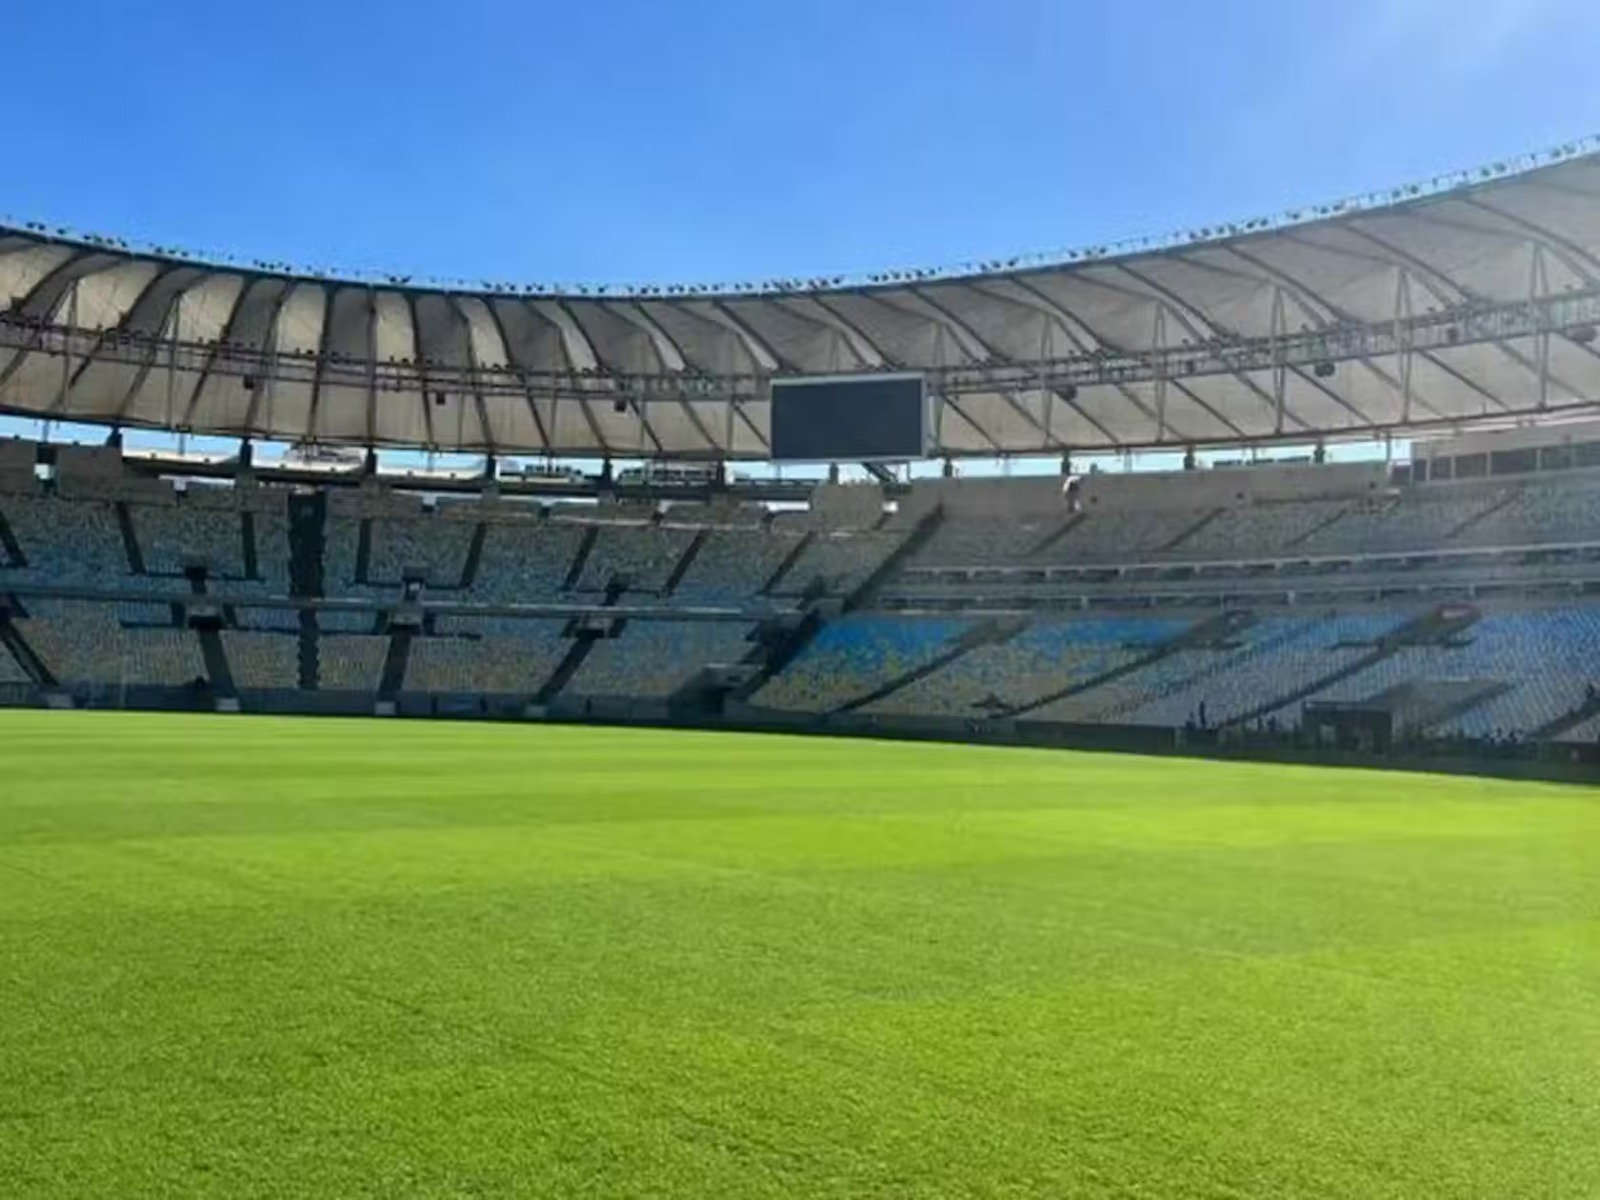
pixel 658 140
pixel 611 140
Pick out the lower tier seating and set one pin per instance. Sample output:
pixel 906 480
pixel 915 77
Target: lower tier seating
pixel 507 657
pixel 653 659
pixel 262 660
pixel 83 642
pixel 350 661
pixel 851 656
pixel 1045 657
pixel 10 670
pixel 1282 658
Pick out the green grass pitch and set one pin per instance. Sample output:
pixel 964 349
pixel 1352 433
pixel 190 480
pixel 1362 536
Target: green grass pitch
pixel 265 957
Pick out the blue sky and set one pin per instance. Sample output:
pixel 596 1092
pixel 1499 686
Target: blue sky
pixel 623 140
pixel 612 140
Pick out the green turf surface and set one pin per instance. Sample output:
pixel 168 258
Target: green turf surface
pixel 259 957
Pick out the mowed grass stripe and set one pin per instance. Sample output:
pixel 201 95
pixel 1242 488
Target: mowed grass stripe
pixel 278 957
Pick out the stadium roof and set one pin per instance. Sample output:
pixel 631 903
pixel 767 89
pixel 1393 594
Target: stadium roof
pixel 1472 297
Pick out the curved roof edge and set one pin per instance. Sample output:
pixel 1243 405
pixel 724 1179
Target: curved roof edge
pixel 1395 198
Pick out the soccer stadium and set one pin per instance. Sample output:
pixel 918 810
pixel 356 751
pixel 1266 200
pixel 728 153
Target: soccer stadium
pixel 1449 600
pixel 630 815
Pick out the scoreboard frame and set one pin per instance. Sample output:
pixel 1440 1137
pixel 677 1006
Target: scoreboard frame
pixel 926 413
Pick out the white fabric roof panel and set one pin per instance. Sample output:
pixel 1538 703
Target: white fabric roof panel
pixel 157 339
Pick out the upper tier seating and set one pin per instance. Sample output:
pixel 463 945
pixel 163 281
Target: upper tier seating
pixel 331 620
pixel 341 559
pixel 733 565
pixel 525 561
pixel 1562 509
pixel 842 560
pixel 77 541
pixel 171 536
pixel 1496 513
pixel 1115 537
pixel 270 518
pixel 644 555
pixel 136 612
pixel 982 542
pixel 1420 519
pixel 66 543
pixel 1258 531
pixel 286 620
pixel 436 546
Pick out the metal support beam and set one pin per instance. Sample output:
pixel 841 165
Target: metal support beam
pixel 1539 285
pixel 1280 372
pixel 1446 291
pixel 1192 319
pixel 475 368
pixel 1402 338
pixel 66 351
pixel 261 396
pixel 1053 312
pixel 1158 340
pixel 515 369
pixel 175 324
pixel 372 368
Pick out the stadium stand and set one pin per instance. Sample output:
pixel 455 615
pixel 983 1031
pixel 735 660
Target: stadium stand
pixel 1478 514
pixel 1585 733
pixel 131 612
pixel 851 656
pixel 1046 657
pixel 734 564
pixel 283 620
pixel 171 537
pixel 653 659
pixel 1115 537
pixel 10 670
pixel 1452 596
pixel 1539 663
pixel 265 511
pixel 1260 530
pixel 262 660
pixel 982 542
pixel 1392 524
pixel 1280 658
pixel 644 555
pixel 83 642
pixel 351 662
pixel 65 542
pixel 1263 647
pixel 431 544
pixel 840 560
pixel 524 559
pixel 513 657
pixel 1543 512
pixel 342 553
pixel 331 620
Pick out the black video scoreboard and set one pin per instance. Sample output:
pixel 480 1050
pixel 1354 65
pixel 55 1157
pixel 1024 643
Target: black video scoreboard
pixel 849 418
